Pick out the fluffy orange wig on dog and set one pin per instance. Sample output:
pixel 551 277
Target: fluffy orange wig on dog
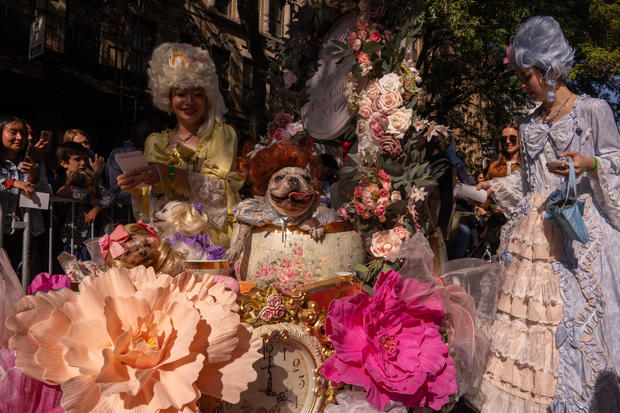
pixel 275 157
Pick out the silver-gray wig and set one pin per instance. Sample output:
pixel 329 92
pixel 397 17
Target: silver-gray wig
pixel 540 42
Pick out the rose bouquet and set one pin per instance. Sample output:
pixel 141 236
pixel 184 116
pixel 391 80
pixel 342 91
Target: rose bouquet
pixel 282 129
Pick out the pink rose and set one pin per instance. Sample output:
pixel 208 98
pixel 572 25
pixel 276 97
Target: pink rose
pixel 281 119
pixel 390 146
pixel 362 57
pixel 396 196
pixel 266 313
pixel 361 25
pixel 380 211
pixel 365 108
pixel 357 45
pixel 368 198
pixel 389 102
pixel 384 175
pixel 383 201
pixel 360 208
pixel 281 134
pixel 384 243
pixel 343 213
pixel 384 193
pixel 362 35
pixel 358 191
pixel 351 38
pixel 298 250
pixel 377 125
pixel 374 188
pixel 402 232
pixel 386 184
pixel 375 37
pixel 366 214
pixel 288 276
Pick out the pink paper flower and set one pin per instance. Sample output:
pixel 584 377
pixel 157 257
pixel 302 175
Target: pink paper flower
pixel 390 344
pixel 21 394
pixel 134 340
pixel 45 282
pixel 298 250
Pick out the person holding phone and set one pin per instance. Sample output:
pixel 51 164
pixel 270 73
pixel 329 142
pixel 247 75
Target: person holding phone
pixel 555 339
pixel 195 159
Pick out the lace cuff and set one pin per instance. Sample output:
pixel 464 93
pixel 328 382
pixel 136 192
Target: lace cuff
pixel 606 188
pixel 509 191
pixel 210 193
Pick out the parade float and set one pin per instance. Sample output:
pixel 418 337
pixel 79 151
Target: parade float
pixel 339 310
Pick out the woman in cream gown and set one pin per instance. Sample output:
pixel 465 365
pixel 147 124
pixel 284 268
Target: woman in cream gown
pixel 556 338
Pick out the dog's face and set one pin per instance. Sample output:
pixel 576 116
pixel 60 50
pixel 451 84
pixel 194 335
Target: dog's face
pixel 291 192
pixel 161 219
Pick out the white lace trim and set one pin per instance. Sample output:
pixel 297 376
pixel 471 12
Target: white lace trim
pixel 604 191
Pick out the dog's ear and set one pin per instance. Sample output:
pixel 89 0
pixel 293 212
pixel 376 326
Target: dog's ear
pixel 308 168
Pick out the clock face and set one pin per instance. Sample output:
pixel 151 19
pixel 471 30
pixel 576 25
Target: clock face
pixel 285 383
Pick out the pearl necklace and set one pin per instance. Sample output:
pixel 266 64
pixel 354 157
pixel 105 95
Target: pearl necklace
pixel 549 119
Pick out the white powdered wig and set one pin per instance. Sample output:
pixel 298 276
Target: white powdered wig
pixel 540 42
pixel 180 65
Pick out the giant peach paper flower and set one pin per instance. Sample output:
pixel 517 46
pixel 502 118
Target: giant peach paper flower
pixel 135 341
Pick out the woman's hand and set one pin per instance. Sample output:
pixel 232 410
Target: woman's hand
pixel 65 190
pixel 26 187
pixel 28 167
pixel 147 175
pixel 582 163
pixel 486 185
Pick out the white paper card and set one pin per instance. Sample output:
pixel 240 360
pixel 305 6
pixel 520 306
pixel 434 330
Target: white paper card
pixel 40 200
pixel 130 161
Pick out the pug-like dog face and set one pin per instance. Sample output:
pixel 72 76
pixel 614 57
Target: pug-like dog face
pixel 291 192
pixel 161 219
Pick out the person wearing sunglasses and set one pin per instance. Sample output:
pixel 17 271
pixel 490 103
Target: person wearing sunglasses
pixel 509 158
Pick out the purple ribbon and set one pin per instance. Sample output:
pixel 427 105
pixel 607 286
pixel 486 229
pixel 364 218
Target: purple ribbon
pixel 198 207
pixel 213 251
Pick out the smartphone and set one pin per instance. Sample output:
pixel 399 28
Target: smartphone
pixel 30 152
pixel 557 165
pixel 46 135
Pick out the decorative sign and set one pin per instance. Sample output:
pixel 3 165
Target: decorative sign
pixel 37 38
pixel 327 113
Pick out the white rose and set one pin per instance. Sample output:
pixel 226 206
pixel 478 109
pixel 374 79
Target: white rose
pixel 391 82
pixel 362 129
pixel 400 121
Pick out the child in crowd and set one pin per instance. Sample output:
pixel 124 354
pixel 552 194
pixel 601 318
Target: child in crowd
pixel 81 186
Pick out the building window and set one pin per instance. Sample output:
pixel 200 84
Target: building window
pixel 222 6
pixel 221 60
pixel 246 91
pixel 276 17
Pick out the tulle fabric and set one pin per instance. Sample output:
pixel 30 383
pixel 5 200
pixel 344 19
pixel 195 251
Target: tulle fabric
pixel 522 373
pixel 469 289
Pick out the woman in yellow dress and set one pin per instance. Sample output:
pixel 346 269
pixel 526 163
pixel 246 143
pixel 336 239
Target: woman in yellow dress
pixel 194 160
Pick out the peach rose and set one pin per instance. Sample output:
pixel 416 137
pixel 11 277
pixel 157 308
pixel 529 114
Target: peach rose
pixel 384 243
pixel 133 340
pixel 372 90
pixel 388 102
pixel 365 108
pixel 402 232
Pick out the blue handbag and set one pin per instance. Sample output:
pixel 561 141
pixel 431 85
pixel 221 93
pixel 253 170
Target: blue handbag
pixel 565 211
